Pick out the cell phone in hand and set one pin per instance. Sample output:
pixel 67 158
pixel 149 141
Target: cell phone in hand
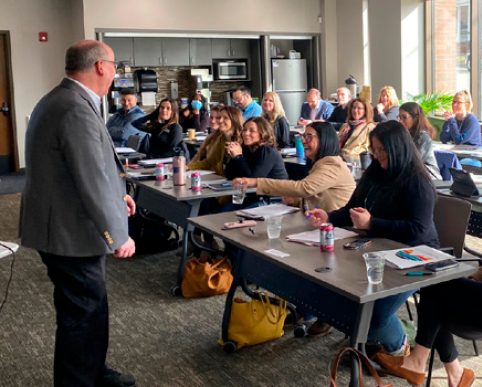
pixel 357 244
pixel 443 265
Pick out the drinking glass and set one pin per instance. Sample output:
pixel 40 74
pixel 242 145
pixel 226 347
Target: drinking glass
pixel 273 226
pixel 238 196
pixel 375 263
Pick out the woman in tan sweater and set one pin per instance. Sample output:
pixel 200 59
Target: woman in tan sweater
pixel 329 184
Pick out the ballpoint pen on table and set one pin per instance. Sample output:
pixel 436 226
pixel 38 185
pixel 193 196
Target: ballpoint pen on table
pixel 417 273
pixel 309 216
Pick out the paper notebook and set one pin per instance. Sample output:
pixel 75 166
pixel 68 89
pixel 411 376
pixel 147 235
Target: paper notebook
pixel 425 253
pixel 312 238
pixel 263 212
pixel 4 252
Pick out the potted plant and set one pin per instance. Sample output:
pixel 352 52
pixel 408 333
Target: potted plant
pixel 431 103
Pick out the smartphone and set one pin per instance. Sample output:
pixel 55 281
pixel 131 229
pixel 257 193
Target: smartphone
pixel 443 265
pixel 357 244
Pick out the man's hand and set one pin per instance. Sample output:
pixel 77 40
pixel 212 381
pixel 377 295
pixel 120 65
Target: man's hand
pixel 360 218
pixel 303 122
pixel 131 205
pixel 126 250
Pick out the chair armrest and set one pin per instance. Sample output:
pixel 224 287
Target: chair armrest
pixel 475 253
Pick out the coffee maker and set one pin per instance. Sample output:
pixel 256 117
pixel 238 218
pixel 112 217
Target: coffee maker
pixel 201 81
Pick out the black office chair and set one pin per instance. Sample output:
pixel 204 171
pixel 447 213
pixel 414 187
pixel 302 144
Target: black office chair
pixel 133 142
pixel 185 149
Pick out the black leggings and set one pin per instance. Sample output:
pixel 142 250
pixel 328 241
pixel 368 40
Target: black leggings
pixel 453 302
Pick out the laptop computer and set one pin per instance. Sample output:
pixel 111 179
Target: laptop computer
pixel 463 183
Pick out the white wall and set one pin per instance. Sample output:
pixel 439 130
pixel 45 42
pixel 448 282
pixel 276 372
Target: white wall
pixel 282 16
pixel 329 44
pixel 36 66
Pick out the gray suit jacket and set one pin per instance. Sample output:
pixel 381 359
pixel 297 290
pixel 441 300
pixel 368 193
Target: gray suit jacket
pixel 73 202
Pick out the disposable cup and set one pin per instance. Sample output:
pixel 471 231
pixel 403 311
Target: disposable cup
pixel 191 133
pixel 238 196
pixel 273 226
pixel 375 263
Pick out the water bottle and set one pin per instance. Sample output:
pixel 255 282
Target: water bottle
pixel 179 167
pixel 300 151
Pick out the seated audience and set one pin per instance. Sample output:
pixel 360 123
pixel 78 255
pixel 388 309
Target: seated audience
pixel 207 145
pixel 413 118
pixel 257 157
pixel 314 109
pixel 273 112
pixel 442 305
pixel 338 117
pixel 461 126
pixel 230 128
pixel 394 199
pixel 195 116
pixel 387 106
pixel 120 124
pixel 354 136
pixel 164 129
pixel 248 106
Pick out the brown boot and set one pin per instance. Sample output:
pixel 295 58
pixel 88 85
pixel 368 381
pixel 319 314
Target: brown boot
pixel 319 329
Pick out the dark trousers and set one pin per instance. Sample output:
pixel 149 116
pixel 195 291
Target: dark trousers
pixel 453 302
pixel 82 335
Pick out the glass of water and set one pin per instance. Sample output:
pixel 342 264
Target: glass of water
pixel 238 196
pixel 375 263
pixel 273 226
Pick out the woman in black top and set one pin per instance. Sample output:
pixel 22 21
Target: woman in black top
pixel 195 116
pixel 274 113
pixel 162 124
pixel 257 157
pixel 394 199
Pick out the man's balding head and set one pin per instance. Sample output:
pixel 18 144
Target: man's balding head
pixel 313 98
pixel 82 56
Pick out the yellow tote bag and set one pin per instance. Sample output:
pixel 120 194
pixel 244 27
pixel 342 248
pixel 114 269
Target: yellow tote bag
pixel 256 321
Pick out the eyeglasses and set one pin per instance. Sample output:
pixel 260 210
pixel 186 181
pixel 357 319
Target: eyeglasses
pixel 307 137
pixel 376 151
pixel 238 100
pixel 111 61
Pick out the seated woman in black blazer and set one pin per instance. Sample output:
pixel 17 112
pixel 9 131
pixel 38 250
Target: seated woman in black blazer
pixel 162 124
pixel 257 157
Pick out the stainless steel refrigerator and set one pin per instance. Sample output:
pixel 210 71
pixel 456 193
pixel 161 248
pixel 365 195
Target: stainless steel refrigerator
pixel 290 82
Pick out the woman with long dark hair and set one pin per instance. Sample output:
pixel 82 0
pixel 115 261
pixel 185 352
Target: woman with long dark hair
pixel 413 118
pixel 163 126
pixel 195 116
pixel 394 199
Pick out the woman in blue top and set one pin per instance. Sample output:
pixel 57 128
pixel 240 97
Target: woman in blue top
pixel 461 126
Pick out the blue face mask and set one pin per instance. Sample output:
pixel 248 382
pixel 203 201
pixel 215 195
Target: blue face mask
pixel 196 105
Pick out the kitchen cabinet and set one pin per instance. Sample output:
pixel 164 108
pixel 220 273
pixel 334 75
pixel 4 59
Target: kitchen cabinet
pixel 147 52
pixel 175 51
pixel 123 48
pixel 230 48
pixel 200 53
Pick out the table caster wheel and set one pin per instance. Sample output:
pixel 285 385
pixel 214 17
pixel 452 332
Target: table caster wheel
pixel 300 331
pixel 229 347
pixel 176 291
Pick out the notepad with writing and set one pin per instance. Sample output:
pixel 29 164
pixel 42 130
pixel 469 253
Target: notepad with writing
pixel 263 212
pixel 312 238
pixel 425 254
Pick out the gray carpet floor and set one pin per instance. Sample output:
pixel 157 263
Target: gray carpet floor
pixel 162 340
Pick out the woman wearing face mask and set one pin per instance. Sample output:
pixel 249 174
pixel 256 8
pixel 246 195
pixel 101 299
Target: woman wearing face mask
pixel 162 124
pixel 274 113
pixel 354 135
pixel 461 126
pixel 195 116
pixel 414 120
pixel 230 127
pixel 207 145
pixel 394 199
pixel 387 107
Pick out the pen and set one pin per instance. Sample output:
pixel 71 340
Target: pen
pixel 251 229
pixel 309 216
pixel 417 273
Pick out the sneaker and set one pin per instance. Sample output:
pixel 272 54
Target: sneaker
pixel 112 378
pixel 319 329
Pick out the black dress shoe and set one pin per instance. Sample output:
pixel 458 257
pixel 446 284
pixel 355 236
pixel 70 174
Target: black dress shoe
pixel 112 378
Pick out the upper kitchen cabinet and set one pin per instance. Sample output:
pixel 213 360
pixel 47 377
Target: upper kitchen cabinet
pixel 175 51
pixel 230 48
pixel 200 52
pixel 148 52
pixel 123 48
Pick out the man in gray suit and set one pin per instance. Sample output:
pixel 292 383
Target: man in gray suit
pixel 74 212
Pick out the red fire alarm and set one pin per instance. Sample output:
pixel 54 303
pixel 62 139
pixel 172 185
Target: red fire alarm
pixel 43 36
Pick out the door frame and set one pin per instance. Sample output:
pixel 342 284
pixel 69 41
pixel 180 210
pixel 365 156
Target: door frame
pixel 5 35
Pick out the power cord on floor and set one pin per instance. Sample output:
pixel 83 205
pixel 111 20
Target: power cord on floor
pixel 10 278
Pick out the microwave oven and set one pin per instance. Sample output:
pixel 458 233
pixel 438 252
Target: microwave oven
pixel 230 69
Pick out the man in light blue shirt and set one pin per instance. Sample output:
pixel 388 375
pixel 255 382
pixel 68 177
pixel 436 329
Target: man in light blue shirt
pixel 249 107
pixel 120 124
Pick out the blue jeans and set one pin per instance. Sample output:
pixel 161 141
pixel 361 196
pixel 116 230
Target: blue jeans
pixel 385 326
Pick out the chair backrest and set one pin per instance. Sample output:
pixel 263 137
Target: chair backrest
pixel 187 155
pixel 451 217
pixel 133 142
